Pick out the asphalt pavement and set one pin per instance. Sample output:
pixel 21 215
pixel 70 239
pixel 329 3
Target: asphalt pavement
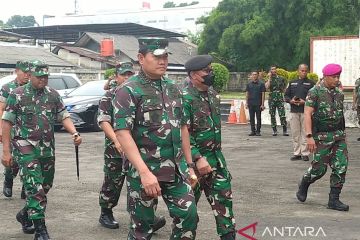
pixel 264 186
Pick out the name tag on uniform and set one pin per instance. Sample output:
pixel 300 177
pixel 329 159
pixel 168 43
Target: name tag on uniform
pixel 294 83
pixel 307 83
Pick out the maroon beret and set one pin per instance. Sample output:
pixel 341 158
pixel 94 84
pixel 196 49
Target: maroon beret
pixel 332 69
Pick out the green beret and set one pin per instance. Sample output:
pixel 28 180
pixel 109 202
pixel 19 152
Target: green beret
pixel 158 46
pixel 198 62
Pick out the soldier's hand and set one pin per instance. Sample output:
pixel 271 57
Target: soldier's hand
pixel 6 159
pixel 353 108
pixel 262 107
pixel 203 166
pixel 118 147
pixel 77 139
pixel 311 145
pixel 192 178
pixel 150 184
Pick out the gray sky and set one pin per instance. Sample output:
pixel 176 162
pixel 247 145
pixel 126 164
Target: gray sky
pixel 38 8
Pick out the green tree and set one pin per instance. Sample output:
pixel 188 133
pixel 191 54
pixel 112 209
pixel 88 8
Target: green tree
pixel 255 34
pixel 193 37
pixel 21 21
pixel 169 5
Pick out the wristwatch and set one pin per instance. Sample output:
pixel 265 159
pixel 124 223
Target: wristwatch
pixel 76 134
pixel 191 165
pixel 309 135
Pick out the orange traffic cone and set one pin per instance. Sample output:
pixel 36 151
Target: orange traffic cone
pixel 232 114
pixel 242 115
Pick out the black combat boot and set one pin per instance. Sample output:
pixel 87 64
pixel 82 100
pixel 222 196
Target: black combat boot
pixel 274 131
pixel 107 219
pixel 41 232
pixel 228 236
pixel 285 133
pixel 334 202
pixel 159 222
pixel 26 224
pixel 303 189
pixel 7 189
pixel 23 194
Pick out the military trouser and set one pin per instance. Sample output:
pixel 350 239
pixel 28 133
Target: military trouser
pixel 279 105
pixel 112 184
pixel 37 168
pixel 217 189
pixel 330 151
pixel 179 198
pixel 358 113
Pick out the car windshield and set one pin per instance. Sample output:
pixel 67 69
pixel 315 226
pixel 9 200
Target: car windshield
pixel 92 88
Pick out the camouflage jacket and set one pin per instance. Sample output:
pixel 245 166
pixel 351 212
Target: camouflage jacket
pixel 201 113
pixel 6 90
pixel 33 113
pixel 357 90
pixel 106 111
pixel 276 89
pixel 328 107
pixel 152 111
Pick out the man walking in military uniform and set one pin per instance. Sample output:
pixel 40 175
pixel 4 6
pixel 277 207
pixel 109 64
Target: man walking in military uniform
pixel 356 100
pixel 33 109
pixel 326 138
pixel 147 116
pixel 202 123
pixel 114 176
pixel 22 71
pixel 276 86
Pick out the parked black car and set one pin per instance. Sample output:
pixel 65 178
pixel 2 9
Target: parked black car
pixel 83 103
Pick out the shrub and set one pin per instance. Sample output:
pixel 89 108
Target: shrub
pixel 222 76
pixel 109 73
pixel 282 73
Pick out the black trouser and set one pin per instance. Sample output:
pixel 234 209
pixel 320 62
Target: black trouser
pixel 252 111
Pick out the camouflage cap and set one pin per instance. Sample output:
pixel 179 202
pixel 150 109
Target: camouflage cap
pixel 125 67
pixel 39 68
pixel 23 66
pixel 158 46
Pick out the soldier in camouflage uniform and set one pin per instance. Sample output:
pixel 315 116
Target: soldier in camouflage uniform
pixel 147 119
pixel 32 110
pixel 356 100
pixel 22 77
pixel 202 123
pixel 326 138
pixel 114 176
pixel 276 86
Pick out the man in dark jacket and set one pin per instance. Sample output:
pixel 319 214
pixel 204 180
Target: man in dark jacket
pixel 295 95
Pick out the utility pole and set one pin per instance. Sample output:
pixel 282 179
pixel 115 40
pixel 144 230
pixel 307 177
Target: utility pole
pixel 76 7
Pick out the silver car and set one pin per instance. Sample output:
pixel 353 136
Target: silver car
pixel 64 83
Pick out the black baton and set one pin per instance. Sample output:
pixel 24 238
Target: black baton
pixel 77 161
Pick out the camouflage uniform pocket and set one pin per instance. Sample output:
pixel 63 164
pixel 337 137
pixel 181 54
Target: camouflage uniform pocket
pixel 151 114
